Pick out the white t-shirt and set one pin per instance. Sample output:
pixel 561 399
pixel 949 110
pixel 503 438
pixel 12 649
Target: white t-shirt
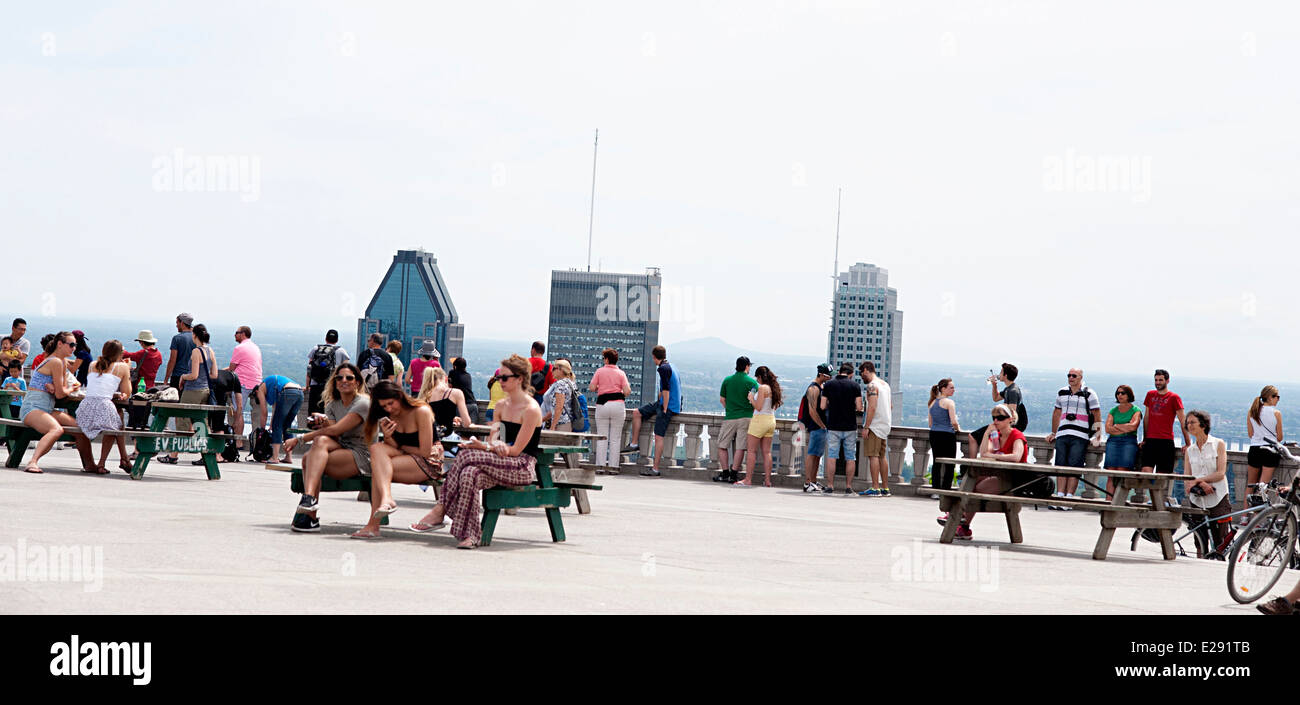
pixel 1265 428
pixel 882 420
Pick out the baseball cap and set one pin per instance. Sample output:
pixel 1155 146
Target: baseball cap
pixel 825 369
pixel 185 318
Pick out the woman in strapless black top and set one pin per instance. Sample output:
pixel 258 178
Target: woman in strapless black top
pixel 508 458
pixel 448 404
pixel 409 452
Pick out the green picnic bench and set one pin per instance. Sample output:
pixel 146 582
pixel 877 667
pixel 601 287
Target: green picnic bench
pixel 543 494
pixel 18 436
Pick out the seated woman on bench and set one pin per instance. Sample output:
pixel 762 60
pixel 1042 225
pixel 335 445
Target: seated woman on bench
pixel 1002 442
pixel 409 453
pixel 49 382
pixel 339 448
pixel 511 460
pixel 108 380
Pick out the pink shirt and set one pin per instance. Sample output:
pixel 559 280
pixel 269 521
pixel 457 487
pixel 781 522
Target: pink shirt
pixel 418 366
pixel 609 380
pixel 246 358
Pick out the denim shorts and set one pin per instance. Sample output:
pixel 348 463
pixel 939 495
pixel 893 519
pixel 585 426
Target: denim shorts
pixel 655 410
pixel 817 443
pixel 841 440
pixel 1071 451
pixel 1121 452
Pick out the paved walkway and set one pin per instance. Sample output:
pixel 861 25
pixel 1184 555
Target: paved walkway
pixel 176 542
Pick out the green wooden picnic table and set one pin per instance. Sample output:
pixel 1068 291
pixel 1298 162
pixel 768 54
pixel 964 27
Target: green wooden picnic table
pixel 202 440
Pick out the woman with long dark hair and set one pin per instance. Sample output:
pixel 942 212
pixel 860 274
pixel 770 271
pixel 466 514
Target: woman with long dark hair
pixel 339 446
pixel 409 452
pixel 508 458
pixel 762 426
pixel 109 378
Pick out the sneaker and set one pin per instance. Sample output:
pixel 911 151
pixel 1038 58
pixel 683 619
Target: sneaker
pixel 849 491
pixel 651 472
pixel 884 492
pixel 964 533
pixel 304 524
pixel 721 477
pixel 934 496
pixel 869 492
pixel 632 448
pixel 828 489
pixel 200 461
pixel 308 504
pixel 165 459
pixel 942 519
pixel 1277 605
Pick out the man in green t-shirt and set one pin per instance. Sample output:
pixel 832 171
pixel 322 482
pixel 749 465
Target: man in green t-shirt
pixel 734 397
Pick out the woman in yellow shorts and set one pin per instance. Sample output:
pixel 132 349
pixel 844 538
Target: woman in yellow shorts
pixel 762 426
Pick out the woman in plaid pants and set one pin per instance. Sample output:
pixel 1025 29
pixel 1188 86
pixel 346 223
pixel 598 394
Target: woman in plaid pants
pixel 508 458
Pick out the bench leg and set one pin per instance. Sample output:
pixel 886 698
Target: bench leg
pixel 141 462
pixel 1103 544
pixel 1013 523
pixel 580 499
pixel 17 448
pixel 1159 494
pixel 489 526
pixel 210 464
pixel 556 523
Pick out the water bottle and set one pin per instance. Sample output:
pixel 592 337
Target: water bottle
pixel 995 440
pixel 139 387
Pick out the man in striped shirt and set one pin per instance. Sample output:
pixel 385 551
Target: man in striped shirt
pixel 1077 410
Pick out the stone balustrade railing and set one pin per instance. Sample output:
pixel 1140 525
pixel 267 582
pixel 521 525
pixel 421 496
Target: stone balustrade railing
pixel 690 432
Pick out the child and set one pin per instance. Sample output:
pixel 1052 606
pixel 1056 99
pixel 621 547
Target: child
pixel 7 352
pixel 15 381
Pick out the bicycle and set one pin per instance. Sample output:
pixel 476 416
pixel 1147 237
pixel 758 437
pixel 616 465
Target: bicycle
pixel 1266 547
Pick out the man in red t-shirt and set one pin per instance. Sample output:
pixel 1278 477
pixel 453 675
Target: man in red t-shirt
pixel 1162 406
pixel 539 364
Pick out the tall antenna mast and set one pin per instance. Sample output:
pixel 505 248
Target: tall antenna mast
pixel 591 218
pixel 839 195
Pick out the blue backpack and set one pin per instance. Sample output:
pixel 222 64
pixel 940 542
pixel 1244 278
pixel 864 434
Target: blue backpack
pixel 578 413
pixel 586 423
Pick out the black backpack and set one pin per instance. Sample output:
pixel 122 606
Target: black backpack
pixel 321 363
pixel 538 379
pixel 260 441
pixel 230 453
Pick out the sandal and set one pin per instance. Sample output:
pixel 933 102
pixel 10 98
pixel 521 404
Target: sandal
pixel 364 534
pixel 767 482
pixel 384 511
pixel 126 467
pixel 467 544
pixel 422 526
pixel 97 470
pixel 34 469
pixel 741 483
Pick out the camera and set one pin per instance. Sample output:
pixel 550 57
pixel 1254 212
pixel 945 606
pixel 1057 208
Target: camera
pixel 1198 490
pixel 1071 417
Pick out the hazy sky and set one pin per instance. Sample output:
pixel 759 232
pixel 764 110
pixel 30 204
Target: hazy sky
pixel 1111 185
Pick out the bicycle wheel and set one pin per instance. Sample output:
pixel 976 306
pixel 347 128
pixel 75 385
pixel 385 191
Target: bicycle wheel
pixel 1260 554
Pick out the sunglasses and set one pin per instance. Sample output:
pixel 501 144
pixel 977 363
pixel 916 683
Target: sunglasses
pixel 1072 376
pixel 1000 417
pixel 505 377
pixel 348 378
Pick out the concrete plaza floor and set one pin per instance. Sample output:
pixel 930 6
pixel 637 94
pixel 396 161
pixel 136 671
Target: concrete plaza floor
pixel 178 543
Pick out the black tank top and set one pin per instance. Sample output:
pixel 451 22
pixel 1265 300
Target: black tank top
pixel 443 412
pixel 512 432
pixel 411 439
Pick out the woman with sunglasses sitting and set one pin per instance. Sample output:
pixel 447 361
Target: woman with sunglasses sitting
pixel 508 458
pixel 409 453
pixel 1002 442
pixel 49 383
pixel 339 447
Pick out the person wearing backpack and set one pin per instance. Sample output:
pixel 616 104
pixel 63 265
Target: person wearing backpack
pixel 543 374
pixel 375 363
pixel 286 396
pixel 321 363
pixel 1076 413
pixel 197 383
pixel 1011 396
